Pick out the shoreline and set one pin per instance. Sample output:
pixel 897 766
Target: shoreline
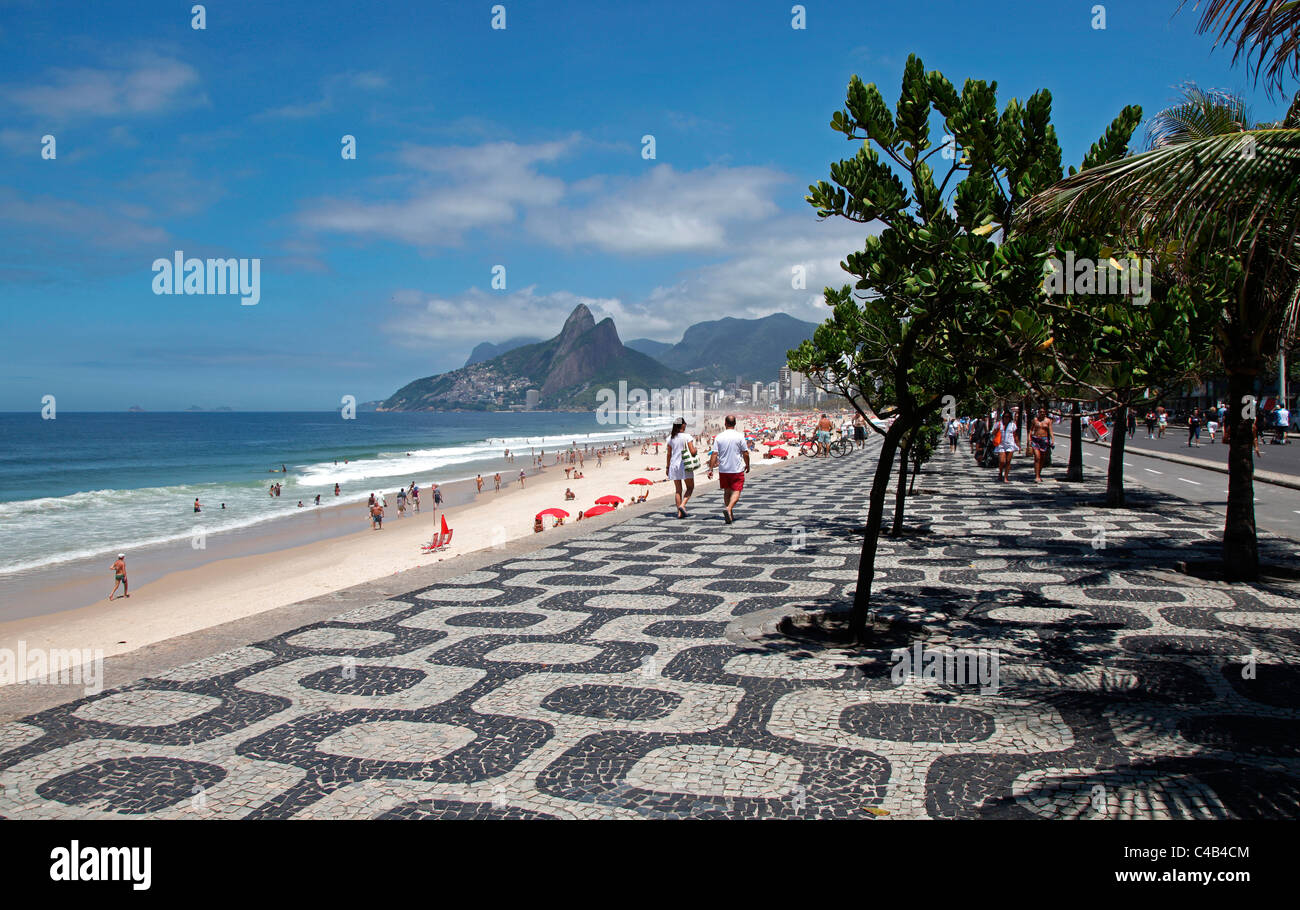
pixel 223 590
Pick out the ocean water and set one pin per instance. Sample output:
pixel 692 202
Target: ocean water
pixel 89 484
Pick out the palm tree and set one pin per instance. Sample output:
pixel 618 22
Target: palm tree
pixel 1267 30
pixel 1217 202
pixel 1199 115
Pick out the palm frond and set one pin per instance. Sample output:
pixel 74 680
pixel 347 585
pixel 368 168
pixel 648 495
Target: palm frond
pixel 1264 32
pixel 1249 179
pixel 1292 119
pixel 1202 113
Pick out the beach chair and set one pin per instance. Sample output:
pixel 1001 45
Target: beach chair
pixel 440 540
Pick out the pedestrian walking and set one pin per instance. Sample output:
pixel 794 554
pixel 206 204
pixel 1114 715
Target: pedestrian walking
pixel 683 460
pixel 1042 440
pixel 731 459
pixel 1004 444
pixel 119 577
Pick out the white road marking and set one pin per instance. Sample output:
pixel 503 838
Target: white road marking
pixel 1185 480
pixel 1149 471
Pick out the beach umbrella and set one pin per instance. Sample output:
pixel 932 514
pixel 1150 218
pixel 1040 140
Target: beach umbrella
pixel 597 510
pixel 644 481
pixel 609 500
pixel 787 435
pixel 770 442
pixel 780 453
pixel 558 513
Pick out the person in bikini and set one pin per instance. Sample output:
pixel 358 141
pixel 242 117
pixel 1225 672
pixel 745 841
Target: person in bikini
pixel 1041 439
pixel 119 577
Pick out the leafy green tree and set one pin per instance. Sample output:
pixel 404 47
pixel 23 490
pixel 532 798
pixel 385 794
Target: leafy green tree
pixel 1122 347
pixel 939 308
pixel 1220 204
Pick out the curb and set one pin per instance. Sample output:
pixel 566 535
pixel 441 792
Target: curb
pixel 1270 477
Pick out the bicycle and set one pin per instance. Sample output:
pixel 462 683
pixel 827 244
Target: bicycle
pixel 841 447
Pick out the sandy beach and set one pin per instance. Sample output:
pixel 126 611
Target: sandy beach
pixel 229 589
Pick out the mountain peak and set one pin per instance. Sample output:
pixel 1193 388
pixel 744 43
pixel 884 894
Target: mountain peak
pixel 579 322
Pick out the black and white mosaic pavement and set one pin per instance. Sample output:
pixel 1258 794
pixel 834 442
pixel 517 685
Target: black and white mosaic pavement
pixel 621 674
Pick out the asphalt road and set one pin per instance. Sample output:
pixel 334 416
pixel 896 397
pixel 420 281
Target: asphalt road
pixel 1277 509
pixel 1284 459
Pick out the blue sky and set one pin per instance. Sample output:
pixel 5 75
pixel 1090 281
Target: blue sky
pixel 475 147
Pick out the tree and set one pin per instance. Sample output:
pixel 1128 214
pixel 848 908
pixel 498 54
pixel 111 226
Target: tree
pixel 1221 205
pixel 1121 337
pixel 940 308
pixel 1268 29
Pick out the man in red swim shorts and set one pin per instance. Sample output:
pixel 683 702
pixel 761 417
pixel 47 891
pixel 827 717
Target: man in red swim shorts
pixel 731 458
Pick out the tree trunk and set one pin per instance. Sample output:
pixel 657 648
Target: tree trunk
pixel 1115 467
pixel 1021 429
pixel 1240 547
pixel 916 469
pixel 900 496
pixel 871 534
pixel 1075 470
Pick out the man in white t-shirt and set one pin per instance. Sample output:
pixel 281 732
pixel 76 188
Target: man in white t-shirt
pixel 1283 423
pixel 731 458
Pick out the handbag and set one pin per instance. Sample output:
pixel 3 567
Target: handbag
pixel 691 463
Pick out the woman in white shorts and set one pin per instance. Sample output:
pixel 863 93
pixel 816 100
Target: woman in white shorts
pixel 1006 446
pixel 679 444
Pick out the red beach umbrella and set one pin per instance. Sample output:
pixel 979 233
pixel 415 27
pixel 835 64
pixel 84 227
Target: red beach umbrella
pixel 558 513
pixel 597 510
pixel 610 500
pixel 780 453
pixel 642 481
pixel 770 442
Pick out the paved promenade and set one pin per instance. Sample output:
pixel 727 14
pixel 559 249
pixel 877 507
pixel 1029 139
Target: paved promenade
pixel 634 672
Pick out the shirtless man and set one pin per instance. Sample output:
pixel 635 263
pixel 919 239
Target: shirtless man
pixel 497 481
pixel 1041 440
pixel 824 428
pixel 119 577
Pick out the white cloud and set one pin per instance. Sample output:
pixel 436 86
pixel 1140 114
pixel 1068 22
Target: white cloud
pixel 478 315
pixel 333 87
pixel 120 227
pixel 664 211
pixel 457 189
pixel 757 280
pixel 754 282
pixel 451 190
pixel 146 86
